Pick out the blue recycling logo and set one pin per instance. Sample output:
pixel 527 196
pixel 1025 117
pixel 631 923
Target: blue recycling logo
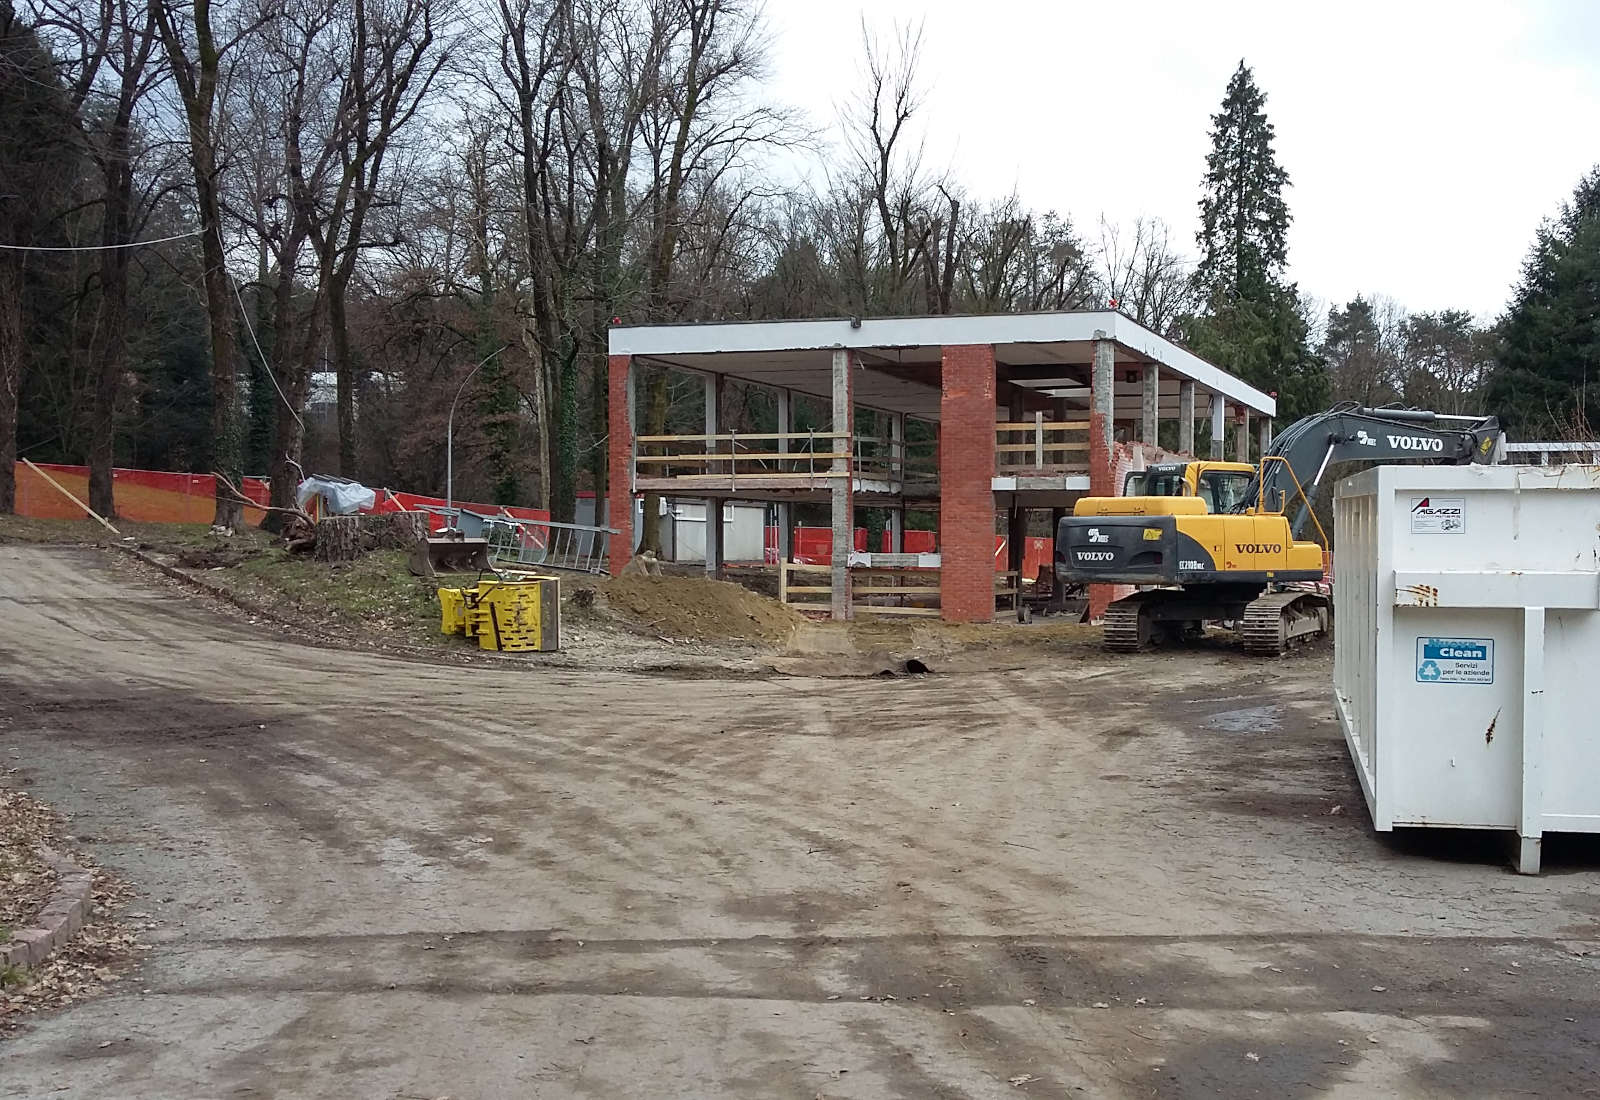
pixel 1455 661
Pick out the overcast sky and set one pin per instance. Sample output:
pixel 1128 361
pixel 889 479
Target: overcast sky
pixel 1424 140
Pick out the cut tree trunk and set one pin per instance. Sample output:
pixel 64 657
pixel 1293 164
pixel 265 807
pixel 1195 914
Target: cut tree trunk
pixel 346 538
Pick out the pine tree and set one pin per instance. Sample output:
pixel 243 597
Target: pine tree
pixel 1548 380
pixel 1361 364
pixel 1251 323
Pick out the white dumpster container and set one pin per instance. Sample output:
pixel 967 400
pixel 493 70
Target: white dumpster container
pixel 1467 646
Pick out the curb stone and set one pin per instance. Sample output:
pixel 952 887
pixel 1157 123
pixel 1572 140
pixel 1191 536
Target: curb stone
pixel 60 919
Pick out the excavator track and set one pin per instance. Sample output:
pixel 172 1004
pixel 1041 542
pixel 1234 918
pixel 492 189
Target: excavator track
pixel 1124 630
pixel 1271 622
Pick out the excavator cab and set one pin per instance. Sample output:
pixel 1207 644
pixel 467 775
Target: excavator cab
pixel 1221 485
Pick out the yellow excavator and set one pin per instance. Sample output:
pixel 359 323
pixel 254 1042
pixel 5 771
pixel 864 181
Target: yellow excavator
pixel 1213 540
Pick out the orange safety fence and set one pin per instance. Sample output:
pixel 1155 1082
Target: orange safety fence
pixel 158 496
pixel 142 496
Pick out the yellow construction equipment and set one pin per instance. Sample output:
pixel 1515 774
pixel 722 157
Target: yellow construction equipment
pixel 1213 540
pixel 518 614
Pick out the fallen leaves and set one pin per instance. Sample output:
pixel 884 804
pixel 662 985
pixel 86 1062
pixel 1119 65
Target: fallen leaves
pixel 96 956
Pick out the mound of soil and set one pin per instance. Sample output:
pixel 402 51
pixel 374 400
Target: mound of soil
pixel 215 557
pixel 694 607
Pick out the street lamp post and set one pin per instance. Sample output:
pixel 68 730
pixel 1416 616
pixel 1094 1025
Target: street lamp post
pixel 449 437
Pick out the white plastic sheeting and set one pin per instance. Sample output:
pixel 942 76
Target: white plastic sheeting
pixel 340 496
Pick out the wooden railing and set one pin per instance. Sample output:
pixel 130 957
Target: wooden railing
pixel 779 460
pixel 877 590
pixel 1041 447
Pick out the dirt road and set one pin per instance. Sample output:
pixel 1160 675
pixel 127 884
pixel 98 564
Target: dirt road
pixel 379 878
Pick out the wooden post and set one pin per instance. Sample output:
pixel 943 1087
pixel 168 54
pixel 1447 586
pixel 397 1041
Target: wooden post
pixel 60 489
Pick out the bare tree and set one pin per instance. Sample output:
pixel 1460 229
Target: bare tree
pixel 289 129
pixel 1144 275
pixel 393 57
pixel 115 65
pixel 890 171
pixel 1013 259
pixel 195 49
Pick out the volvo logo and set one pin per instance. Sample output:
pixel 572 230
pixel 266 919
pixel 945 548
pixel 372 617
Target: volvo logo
pixel 1097 555
pixel 1415 443
pixel 1259 547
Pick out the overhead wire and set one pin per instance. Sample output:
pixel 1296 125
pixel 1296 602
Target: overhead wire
pixel 95 247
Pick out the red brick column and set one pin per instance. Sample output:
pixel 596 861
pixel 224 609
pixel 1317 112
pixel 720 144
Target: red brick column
pixel 966 483
pixel 619 446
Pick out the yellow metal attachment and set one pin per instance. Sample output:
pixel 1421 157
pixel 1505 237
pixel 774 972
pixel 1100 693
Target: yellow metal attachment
pixel 519 615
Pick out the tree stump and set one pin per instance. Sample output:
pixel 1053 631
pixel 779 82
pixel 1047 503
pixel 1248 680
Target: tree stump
pixel 346 538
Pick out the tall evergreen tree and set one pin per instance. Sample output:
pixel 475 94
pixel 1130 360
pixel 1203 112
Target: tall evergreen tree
pixel 1251 322
pixel 1361 363
pixel 1548 380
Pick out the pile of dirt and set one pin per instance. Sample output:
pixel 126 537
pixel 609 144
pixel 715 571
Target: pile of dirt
pixel 695 607
pixel 220 556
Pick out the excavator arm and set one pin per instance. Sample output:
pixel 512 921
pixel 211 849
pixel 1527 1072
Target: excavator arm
pixel 1301 455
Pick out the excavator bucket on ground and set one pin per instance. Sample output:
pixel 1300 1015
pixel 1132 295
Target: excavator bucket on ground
pixel 449 552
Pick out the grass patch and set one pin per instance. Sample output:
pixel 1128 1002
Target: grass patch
pixel 169 537
pixel 12 975
pixel 373 593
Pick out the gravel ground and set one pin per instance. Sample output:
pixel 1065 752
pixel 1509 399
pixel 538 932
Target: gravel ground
pixel 369 876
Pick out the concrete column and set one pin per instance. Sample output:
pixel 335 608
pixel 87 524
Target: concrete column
pixel 1102 403
pixel 1150 406
pixel 1186 416
pixel 897 530
pixel 1263 434
pixel 785 515
pixel 844 513
pixel 714 507
pixel 1102 436
pixel 1241 436
pixel 619 448
pixel 897 449
pixel 966 482
pixel 1217 430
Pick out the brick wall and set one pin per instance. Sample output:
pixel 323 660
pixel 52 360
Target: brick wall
pixel 966 483
pixel 619 499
